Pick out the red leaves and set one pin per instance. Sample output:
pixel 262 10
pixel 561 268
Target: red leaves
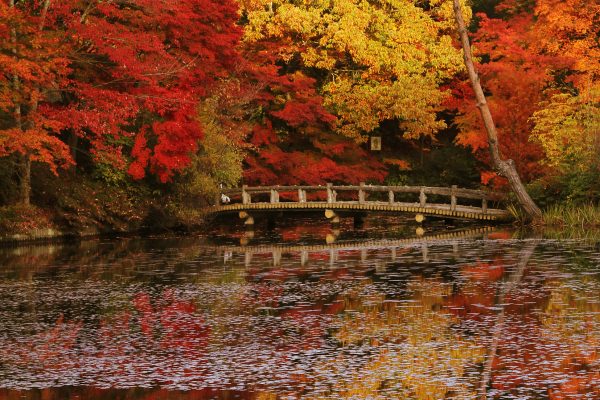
pixel 38 145
pixel 31 62
pixel 263 135
pixel 141 154
pixel 515 75
pixel 176 140
pixel 294 144
pixel 96 71
pixel 309 167
pixel 162 59
pixel 124 73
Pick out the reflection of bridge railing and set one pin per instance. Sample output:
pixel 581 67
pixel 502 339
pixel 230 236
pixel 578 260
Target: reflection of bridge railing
pixel 356 199
pixel 392 245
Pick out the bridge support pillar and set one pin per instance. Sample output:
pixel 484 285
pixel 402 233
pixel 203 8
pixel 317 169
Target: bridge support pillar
pixel 303 257
pixel 332 216
pixel 248 219
pixel 332 236
pixel 248 236
pixel 420 218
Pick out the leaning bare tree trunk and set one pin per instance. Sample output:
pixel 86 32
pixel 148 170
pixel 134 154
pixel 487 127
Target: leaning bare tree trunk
pixel 505 168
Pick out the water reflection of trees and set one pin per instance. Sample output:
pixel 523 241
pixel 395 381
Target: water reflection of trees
pixel 420 355
pixel 364 328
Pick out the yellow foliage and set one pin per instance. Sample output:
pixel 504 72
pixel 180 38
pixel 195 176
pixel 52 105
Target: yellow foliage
pixel 383 59
pixel 568 128
pixel 431 355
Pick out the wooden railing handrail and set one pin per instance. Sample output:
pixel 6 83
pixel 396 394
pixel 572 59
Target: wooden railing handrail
pixel 427 190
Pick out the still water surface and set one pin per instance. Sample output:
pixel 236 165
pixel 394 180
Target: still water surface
pixel 373 314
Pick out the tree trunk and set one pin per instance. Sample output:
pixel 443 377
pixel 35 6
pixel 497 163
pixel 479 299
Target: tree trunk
pixel 24 161
pixel 24 174
pixel 43 13
pixel 512 282
pixel 505 168
pixel 73 143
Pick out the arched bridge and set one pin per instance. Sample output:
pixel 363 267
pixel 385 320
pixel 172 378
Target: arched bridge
pixel 335 200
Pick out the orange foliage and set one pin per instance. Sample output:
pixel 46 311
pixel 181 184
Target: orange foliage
pixel 514 75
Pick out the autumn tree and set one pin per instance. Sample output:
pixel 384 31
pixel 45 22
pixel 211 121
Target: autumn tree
pixel 570 28
pixel 112 73
pixel 515 76
pixel 505 168
pixel 567 126
pixel 33 62
pixel 360 63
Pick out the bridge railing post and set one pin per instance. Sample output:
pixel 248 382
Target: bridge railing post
pixel 274 196
pixel 422 197
pixel 361 193
pixel 453 198
pixel 246 199
pixel 484 205
pixel 330 193
pixel 391 196
pixel 301 196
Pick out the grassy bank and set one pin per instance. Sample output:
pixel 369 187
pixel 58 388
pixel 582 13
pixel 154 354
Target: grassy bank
pixel 81 205
pixel 572 215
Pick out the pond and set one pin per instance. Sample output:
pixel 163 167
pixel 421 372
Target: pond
pixel 304 312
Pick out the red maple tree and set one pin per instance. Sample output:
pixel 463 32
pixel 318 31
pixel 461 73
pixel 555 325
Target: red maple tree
pixel 514 75
pixel 111 73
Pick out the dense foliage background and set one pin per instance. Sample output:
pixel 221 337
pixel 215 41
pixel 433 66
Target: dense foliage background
pixel 115 113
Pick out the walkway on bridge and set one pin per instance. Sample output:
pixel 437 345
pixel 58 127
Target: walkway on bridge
pixel 335 200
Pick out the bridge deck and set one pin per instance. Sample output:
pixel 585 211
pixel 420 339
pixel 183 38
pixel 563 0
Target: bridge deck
pixel 441 210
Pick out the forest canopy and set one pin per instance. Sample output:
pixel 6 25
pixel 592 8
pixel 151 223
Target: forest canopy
pixel 183 96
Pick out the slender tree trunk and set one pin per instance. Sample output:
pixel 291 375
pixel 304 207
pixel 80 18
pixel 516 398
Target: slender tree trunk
pixel 73 142
pixel 25 180
pixel 23 161
pixel 88 9
pixel 505 168
pixel 16 84
pixel 45 7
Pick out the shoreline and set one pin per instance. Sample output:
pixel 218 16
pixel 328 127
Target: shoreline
pixel 50 235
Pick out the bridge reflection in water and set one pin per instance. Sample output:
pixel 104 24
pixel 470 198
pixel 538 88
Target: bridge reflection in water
pixel 302 253
pixel 165 318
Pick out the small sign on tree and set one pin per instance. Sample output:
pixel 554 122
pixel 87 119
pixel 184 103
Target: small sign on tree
pixel 375 143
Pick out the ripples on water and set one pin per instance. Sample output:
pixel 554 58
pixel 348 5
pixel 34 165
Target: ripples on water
pixel 461 317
